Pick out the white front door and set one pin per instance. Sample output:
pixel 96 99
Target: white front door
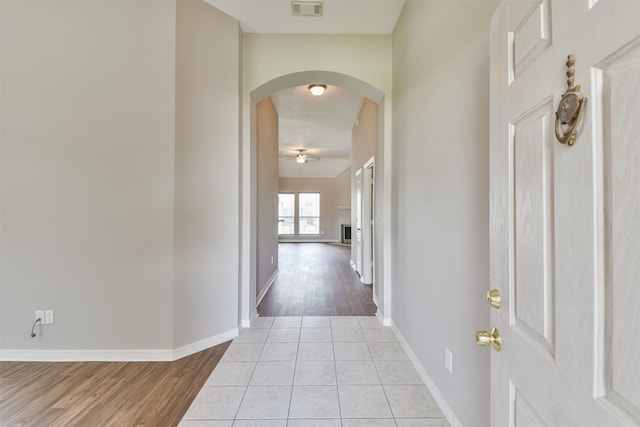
pixel 565 220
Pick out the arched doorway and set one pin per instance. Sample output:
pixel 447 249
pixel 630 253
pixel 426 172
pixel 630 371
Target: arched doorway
pixel 249 185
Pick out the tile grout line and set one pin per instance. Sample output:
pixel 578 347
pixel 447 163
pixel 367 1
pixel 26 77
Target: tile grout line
pixel 250 377
pixel 295 369
pixel 375 366
pixel 335 366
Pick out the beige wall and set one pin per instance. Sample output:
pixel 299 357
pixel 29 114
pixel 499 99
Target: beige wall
pixel 441 194
pixel 87 173
pixel 330 212
pixel 207 172
pixel 364 136
pixel 342 189
pixel 342 183
pixel 267 173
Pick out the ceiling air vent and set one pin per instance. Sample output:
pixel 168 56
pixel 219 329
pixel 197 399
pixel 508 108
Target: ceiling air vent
pixel 306 8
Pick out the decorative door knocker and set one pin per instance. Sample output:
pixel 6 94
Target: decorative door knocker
pixel 570 109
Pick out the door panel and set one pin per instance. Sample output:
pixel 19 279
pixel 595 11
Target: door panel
pixel 524 415
pixel 532 291
pixel 565 221
pixel 619 79
pixel 531 36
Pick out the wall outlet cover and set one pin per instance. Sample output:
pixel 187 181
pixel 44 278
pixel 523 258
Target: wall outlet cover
pixel 448 360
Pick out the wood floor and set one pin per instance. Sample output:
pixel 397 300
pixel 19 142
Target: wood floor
pixel 316 279
pixel 103 393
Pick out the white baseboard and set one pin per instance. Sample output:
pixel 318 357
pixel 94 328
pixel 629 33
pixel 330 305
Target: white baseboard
pixel 435 392
pixel 309 241
pixel 264 290
pixel 86 355
pixel 204 344
pixel 11 355
pixel 386 321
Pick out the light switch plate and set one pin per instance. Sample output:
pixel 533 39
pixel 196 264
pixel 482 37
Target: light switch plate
pixel 448 360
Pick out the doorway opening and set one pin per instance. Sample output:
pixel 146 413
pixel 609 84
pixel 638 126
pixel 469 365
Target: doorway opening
pixel 253 289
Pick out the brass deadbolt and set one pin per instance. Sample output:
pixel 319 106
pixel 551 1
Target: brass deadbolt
pixel 493 298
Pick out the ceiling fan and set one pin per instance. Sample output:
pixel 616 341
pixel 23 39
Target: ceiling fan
pixel 301 157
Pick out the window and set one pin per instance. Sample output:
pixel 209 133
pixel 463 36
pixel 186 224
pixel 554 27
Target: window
pixel 286 212
pixel 309 213
pixel 298 213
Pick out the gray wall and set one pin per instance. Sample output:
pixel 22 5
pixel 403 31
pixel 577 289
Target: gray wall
pixel 267 173
pixel 207 172
pixel 441 194
pixel 120 174
pixel 87 173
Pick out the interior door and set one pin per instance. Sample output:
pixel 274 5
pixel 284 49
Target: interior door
pixel 565 220
pixel 366 275
pixel 358 229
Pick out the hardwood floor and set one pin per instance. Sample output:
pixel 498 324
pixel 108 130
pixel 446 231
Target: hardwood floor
pixel 103 393
pixel 316 279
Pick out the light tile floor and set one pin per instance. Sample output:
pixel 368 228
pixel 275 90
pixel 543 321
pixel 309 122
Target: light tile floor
pixel 315 372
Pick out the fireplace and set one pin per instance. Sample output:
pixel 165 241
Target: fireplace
pixel 345 233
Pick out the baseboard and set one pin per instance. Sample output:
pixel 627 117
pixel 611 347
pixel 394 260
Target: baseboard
pixel 435 392
pixel 204 344
pixel 309 241
pixel 86 355
pixel 385 320
pixel 265 289
pixel 10 355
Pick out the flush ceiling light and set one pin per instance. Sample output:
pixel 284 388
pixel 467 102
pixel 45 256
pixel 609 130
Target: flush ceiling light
pixel 317 89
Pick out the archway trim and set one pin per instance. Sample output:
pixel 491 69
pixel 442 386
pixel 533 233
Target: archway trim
pixel 317 76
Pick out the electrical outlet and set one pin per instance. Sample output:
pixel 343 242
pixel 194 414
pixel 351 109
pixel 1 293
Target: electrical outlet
pixel 48 317
pixel 448 360
pixel 40 315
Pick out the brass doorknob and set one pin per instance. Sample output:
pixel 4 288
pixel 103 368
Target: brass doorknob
pixel 493 298
pixel 484 339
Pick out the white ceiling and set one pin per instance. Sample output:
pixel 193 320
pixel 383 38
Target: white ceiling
pixel 339 16
pixel 320 125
